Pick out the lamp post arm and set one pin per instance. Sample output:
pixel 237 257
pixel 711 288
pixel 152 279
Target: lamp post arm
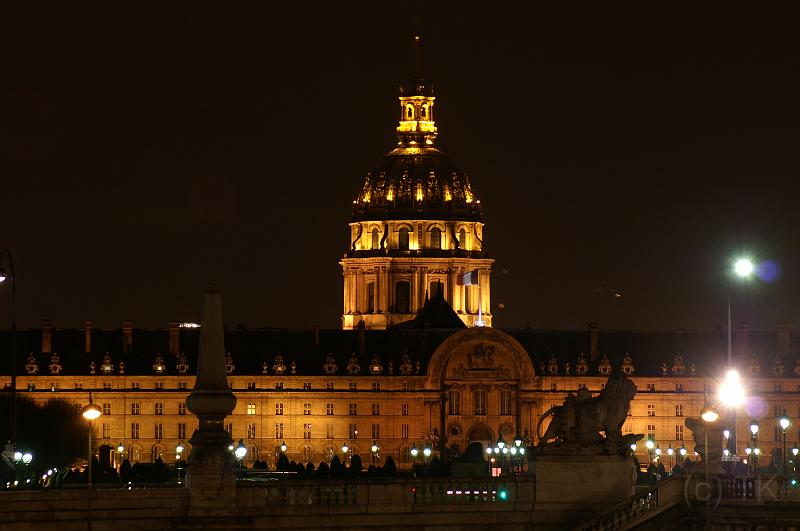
pixel 13 406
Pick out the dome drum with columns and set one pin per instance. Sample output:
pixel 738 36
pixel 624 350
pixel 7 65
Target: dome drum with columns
pixel 416 229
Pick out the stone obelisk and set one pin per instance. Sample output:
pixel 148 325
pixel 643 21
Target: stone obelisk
pixel 211 476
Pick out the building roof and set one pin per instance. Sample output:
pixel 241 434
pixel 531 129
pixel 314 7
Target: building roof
pixel 652 353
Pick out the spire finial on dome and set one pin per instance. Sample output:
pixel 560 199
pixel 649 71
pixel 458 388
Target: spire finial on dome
pixel 417 48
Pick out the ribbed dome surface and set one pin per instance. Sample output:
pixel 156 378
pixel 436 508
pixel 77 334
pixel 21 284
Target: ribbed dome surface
pixel 416 183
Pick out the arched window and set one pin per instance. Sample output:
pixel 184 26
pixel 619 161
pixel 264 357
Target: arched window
pixel 376 240
pixel 410 112
pixel 436 238
pixel 402 239
pixel 402 297
pixel 424 112
pixel 462 238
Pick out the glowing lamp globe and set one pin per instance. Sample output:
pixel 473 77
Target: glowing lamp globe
pixel 743 267
pixel 27 457
pixel 709 414
pixel 91 412
pixel 731 392
pixel 784 421
pixel 241 450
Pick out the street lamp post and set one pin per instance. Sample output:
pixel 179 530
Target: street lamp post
pixel 650 445
pixel 426 452
pixel 13 406
pixel 709 416
pixel 784 422
pixel 374 451
pixel 91 413
pixel 742 268
pixel 747 452
pixel 178 454
pixel 670 453
pixel 120 453
pixel 240 452
pixel 753 443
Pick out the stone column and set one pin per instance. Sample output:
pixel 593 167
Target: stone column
pixel 211 476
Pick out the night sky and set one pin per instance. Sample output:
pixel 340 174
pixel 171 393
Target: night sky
pixel 148 151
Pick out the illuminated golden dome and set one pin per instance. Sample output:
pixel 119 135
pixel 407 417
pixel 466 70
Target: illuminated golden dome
pixel 416 183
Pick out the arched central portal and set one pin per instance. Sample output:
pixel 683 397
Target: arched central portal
pixel 481 433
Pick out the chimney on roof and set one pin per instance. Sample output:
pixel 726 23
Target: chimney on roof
pixel 47 336
pixel 594 340
pixel 127 336
pixel 87 335
pixel 783 337
pixel 740 339
pixel 174 338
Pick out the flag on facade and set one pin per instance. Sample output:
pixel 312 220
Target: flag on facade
pixel 470 278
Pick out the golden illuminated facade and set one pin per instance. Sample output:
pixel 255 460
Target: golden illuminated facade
pixel 416 230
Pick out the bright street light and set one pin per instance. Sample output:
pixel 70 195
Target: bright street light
pixel 27 457
pixel 682 451
pixel 650 444
pixel 731 392
pixel 754 427
pixel 241 450
pixel 784 421
pixel 743 267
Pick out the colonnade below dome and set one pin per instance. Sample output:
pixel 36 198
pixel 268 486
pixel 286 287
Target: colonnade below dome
pixel 383 291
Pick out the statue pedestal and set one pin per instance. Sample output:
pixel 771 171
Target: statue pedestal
pixel 571 489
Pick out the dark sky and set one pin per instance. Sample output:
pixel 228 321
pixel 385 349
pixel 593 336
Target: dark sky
pixel 148 151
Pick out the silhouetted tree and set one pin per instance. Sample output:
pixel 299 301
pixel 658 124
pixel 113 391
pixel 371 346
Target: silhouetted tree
pixel 126 471
pixel 323 471
pixel 310 470
pixel 389 468
pixel 337 468
pixel 355 466
pixel 54 432
pixel 283 463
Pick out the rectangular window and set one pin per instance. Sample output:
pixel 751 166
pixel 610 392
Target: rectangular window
pixel 553 386
pixel 778 410
pixel 454 400
pixel 134 430
pixel 376 386
pixel 329 386
pixel 404 431
pixel 251 386
pixel 370 297
pixel 134 385
pixel 651 387
pixel 158 431
pixel 78 385
pixel 159 385
pixel 31 387
pixel 479 401
pixel 678 432
pixel 106 430
pixel 406 386
pixel 135 408
pixel 376 431
pixel 329 408
pixel 251 430
pixel 353 410
pixel 251 408
pixel 106 408
pixel 307 430
pixel 651 431
pixel 707 387
pixel 678 410
pixel 581 386
pixel 402 298
pixel 181 430
pixel 279 430
pixel 182 408
pixel 376 409
pixel 329 431
pixel 353 386
pixel 279 386
pixel 182 385
pixel 778 388
pixel 651 410
pixel 352 431
pixel 106 386
pixel 506 398
pixel 404 408
pixel 279 408
pixel 229 428
pixel 54 386
pixel 678 387
pixel 778 433
pixel 307 408
pixel 159 409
